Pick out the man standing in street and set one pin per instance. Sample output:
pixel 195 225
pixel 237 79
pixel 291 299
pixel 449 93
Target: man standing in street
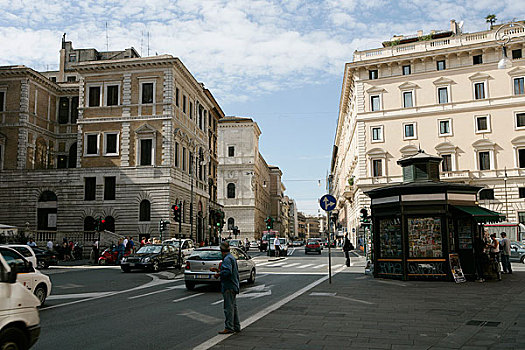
pixel 277 246
pixel 229 274
pixel 505 253
pixel 346 249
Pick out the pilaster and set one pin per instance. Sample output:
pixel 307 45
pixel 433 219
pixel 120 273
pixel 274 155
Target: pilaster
pixel 126 95
pixel 124 144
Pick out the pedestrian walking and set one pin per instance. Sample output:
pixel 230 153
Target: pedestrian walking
pixel 494 255
pixel 131 244
pixel 480 258
pixel 120 249
pixel 94 253
pixel 346 249
pixel 505 253
pixel 229 275
pixel 125 242
pixel 31 243
pixel 49 245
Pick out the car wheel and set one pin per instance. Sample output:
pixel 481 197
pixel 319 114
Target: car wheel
pixel 41 264
pixel 523 259
pixel 189 285
pixel 155 267
pixel 319 253
pixel 125 268
pixel 102 262
pixel 41 293
pixel 251 280
pixel 13 338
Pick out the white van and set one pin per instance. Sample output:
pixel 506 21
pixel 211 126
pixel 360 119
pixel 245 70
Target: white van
pixel 19 320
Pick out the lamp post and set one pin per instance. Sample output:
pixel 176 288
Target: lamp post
pixel 502 37
pixel 506 201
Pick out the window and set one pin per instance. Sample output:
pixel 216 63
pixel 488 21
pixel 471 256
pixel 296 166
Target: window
pixel 72 57
pixel 91 144
pixel 111 143
pixel 477 59
pixel 521 192
pixel 520 120
pixel 176 154
pixel 486 193
pixel 441 65
pixel 482 124
pixel 145 210
pixel 112 95
pixel 94 96
pixel 90 188
pixel 409 131
pixel 177 96
pixel 147 93
pixel 484 160
pixel 443 95
pixel 146 150
pixel 2 101
pixel 407 70
pixel 519 86
pixel 445 128
pixel 109 187
pixel 184 104
pixel 521 158
pixel 74 109
pixel 63 110
pixel 373 74
pixel 377 133
pixel 375 103
pixel 407 99
pixel 479 91
pixel 190 163
pixel 183 158
pixel 231 151
pixel 231 223
pixel 446 164
pixel 516 54
pixel 377 167
pixel 71 79
pixel 191 110
pixel 54 79
pixel 231 190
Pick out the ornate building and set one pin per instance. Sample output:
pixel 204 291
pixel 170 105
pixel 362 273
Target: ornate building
pixel 113 135
pixel 444 93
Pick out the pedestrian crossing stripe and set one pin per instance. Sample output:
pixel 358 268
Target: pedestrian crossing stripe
pixel 294 264
pixel 304 266
pixel 318 266
pixel 276 265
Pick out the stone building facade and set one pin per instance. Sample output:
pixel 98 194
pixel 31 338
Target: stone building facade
pixel 444 93
pixel 124 139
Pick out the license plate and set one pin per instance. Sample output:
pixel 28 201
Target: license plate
pixel 202 276
pixel 131 264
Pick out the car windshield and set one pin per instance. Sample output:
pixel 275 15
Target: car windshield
pixel 234 243
pixel 312 242
pixel 206 255
pixel 282 240
pixel 172 243
pixel 149 249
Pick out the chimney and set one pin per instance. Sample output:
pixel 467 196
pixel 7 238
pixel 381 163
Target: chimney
pixel 419 33
pixel 453 26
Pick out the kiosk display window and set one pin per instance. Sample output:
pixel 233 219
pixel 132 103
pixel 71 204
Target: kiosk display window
pixel 424 237
pixel 390 243
pixel 465 234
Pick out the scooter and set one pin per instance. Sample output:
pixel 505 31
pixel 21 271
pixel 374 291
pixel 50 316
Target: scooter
pixel 110 257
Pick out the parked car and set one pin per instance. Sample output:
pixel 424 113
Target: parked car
pixel 517 252
pixel 312 245
pixel 151 257
pixel 197 270
pixel 26 251
pixel 45 257
pixel 284 247
pixel 237 243
pixel 187 246
pixel 19 320
pixel 35 281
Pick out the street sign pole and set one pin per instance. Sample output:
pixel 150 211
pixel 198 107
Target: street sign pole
pixel 328 203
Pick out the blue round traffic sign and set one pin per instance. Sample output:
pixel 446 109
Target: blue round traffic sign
pixel 327 202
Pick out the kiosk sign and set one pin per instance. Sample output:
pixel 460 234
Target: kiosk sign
pixel 455 268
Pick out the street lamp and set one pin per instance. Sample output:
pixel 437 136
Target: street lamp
pixel 502 37
pixel 506 201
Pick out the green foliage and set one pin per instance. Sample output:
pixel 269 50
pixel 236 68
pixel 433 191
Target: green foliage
pixel 351 181
pixel 425 37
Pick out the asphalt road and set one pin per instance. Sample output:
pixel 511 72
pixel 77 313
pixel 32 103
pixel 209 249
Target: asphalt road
pixel 103 308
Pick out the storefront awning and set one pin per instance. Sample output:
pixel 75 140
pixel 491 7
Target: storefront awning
pixel 481 214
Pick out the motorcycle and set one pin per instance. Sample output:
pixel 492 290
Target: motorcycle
pixel 110 256
pixel 78 251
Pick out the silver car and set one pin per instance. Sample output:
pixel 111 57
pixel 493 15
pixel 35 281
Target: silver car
pixel 198 266
pixel 517 252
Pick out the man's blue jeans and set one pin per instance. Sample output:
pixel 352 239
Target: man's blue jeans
pixel 230 311
pixel 505 262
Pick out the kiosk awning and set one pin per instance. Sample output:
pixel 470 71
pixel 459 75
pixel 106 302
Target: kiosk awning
pixel 480 214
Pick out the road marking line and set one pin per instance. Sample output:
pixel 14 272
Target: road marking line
pixel 188 297
pixel 318 266
pixel 217 302
pixel 265 263
pixel 337 266
pixel 218 338
pixel 290 265
pixel 77 296
pixel 276 265
pixel 322 294
pixel 352 299
pixel 304 266
pixel 157 291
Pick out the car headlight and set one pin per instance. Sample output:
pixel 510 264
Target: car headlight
pixel 124 259
pixel 147 259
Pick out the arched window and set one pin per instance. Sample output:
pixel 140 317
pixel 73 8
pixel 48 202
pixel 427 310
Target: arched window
pixel 89 223
pixel 145 210
pixel 231 190
pixel 47 196
pixel 110 224
pixel 72 159
pixel 231 223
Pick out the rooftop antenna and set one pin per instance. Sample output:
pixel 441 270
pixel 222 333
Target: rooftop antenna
pixel 107 37
pixel 148 43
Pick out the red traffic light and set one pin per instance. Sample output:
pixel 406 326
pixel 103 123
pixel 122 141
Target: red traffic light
pixel 103 221
pixel 175 207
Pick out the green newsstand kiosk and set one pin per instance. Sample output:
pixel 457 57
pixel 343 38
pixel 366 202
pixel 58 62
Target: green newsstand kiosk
pixel 419 225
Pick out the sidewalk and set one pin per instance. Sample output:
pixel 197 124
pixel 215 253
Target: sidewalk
pixel 360 312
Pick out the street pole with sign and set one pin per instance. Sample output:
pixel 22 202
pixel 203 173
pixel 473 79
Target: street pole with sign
pixel 327 203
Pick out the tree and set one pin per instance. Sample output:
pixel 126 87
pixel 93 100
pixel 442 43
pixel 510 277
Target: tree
pixel 491 19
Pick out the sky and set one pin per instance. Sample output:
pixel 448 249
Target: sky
pixel 278 62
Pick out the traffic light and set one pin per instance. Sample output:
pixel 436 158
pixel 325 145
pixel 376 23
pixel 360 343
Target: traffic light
pixel 163 225
pixel 219 218
pixel 102 224
pixel 176 212
pixel 364 216
pixel 269 223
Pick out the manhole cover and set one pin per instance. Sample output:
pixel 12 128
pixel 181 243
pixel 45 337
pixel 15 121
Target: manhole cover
pixel 483 323
pixel 475 323
pixel 491 324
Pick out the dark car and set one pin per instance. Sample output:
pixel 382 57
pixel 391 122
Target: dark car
pixel 263 244
pixel 45 257
pixel 150 257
